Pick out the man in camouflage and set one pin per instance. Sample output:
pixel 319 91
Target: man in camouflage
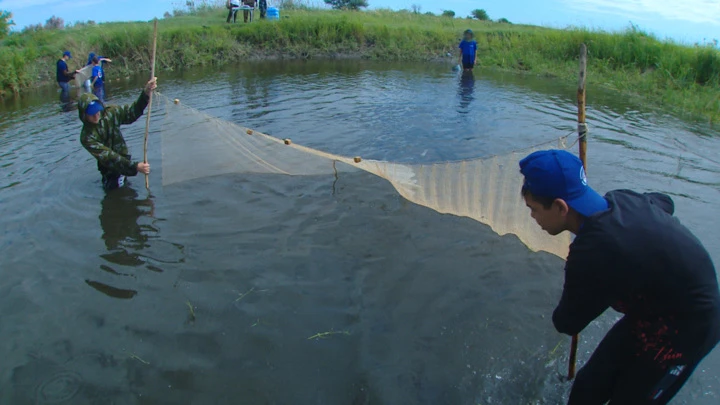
pixel 101 136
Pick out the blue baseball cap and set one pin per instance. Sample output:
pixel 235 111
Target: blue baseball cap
pixel 560 174
pixel 68 54
pixel 94 107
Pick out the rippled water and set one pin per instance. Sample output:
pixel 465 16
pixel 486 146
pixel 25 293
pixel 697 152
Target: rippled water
pixel 211 291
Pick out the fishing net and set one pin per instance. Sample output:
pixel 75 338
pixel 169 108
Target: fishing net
pixel 197 145
pixel 83 75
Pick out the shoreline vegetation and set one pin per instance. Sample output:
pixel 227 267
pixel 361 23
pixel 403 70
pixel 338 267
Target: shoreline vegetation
pixel 681 79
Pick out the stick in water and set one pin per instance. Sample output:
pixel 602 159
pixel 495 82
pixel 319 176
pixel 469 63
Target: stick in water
pixel 147 119
pixel 582 137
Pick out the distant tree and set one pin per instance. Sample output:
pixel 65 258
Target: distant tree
pixel 480 14
pixel 54 23
pixel 33 28
pixel 293 5
pixel 167 15
pixel 504 21
pixel 347 4
pixel 416 8
pixel 91 22
pixel 430 13
pixel 5 23
pixel 448 13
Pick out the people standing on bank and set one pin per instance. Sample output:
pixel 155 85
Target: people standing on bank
pixel 98 80
pixel 247 13
pixel 63 73
pixel 101 136
pixel 262 4
pixel 629 253
pixel 233 6
pixel 468 51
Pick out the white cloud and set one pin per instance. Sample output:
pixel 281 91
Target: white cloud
pixel 695 11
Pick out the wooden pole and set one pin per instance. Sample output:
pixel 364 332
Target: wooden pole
pixel 582 144
pixel 582 129
pixel 147 119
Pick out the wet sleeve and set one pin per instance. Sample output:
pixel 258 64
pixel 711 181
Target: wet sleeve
pixel 663 201
pixel 130 113
pixel 107 157
pixel 66 71
pixel 586 293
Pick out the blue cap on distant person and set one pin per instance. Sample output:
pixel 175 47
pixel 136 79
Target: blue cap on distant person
pixel 560 174
pixel 68 54
pixel 94 107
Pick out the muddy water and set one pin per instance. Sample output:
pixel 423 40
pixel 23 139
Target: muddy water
pixel 272 290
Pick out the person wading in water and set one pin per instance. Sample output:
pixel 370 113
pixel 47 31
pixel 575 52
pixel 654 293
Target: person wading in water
pixel 630 253
pixel 101 136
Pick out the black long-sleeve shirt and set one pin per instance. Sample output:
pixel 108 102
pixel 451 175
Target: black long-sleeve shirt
pixel 640 260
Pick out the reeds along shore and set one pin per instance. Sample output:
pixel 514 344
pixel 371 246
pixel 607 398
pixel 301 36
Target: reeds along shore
pixel 683 79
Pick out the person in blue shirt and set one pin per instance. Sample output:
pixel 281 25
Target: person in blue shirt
pixel 97 78
pixel 103 60
pixel 468 51
pixel 63 73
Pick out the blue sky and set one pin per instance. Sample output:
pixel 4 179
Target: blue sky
pixel 686 21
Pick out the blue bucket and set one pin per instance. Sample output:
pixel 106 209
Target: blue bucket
pixel 273 13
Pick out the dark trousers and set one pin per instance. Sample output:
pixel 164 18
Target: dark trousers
pixel 99 92
pixel 113 181
pixel 627 370
pixel 246 15
pixel 64 92
pixel 232 15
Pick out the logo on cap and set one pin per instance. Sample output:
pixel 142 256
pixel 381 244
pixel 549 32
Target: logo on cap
pixel 583 177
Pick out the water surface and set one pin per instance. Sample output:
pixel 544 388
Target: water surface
pixel 207 292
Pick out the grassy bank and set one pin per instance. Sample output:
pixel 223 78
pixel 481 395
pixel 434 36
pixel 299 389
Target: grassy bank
pixel 683 79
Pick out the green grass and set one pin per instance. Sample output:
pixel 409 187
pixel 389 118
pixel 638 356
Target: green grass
pixel 683 79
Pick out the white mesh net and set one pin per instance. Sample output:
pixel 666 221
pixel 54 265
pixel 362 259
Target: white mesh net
pixel 84 75
pixel 196 145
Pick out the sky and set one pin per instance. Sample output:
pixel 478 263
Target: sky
pixel 687 21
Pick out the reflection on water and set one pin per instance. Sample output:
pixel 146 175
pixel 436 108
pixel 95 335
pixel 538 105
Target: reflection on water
pixel 467 88
pixel 229 276
pixel 124 237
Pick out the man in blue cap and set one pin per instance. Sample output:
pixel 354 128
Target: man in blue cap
pixel 630 253
pixel 101 136
pixel 63 74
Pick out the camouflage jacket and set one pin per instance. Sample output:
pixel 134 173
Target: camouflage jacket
pixel 105 141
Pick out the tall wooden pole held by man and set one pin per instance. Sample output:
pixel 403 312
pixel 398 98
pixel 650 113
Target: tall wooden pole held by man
pixel 582 142
pixel 147 119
